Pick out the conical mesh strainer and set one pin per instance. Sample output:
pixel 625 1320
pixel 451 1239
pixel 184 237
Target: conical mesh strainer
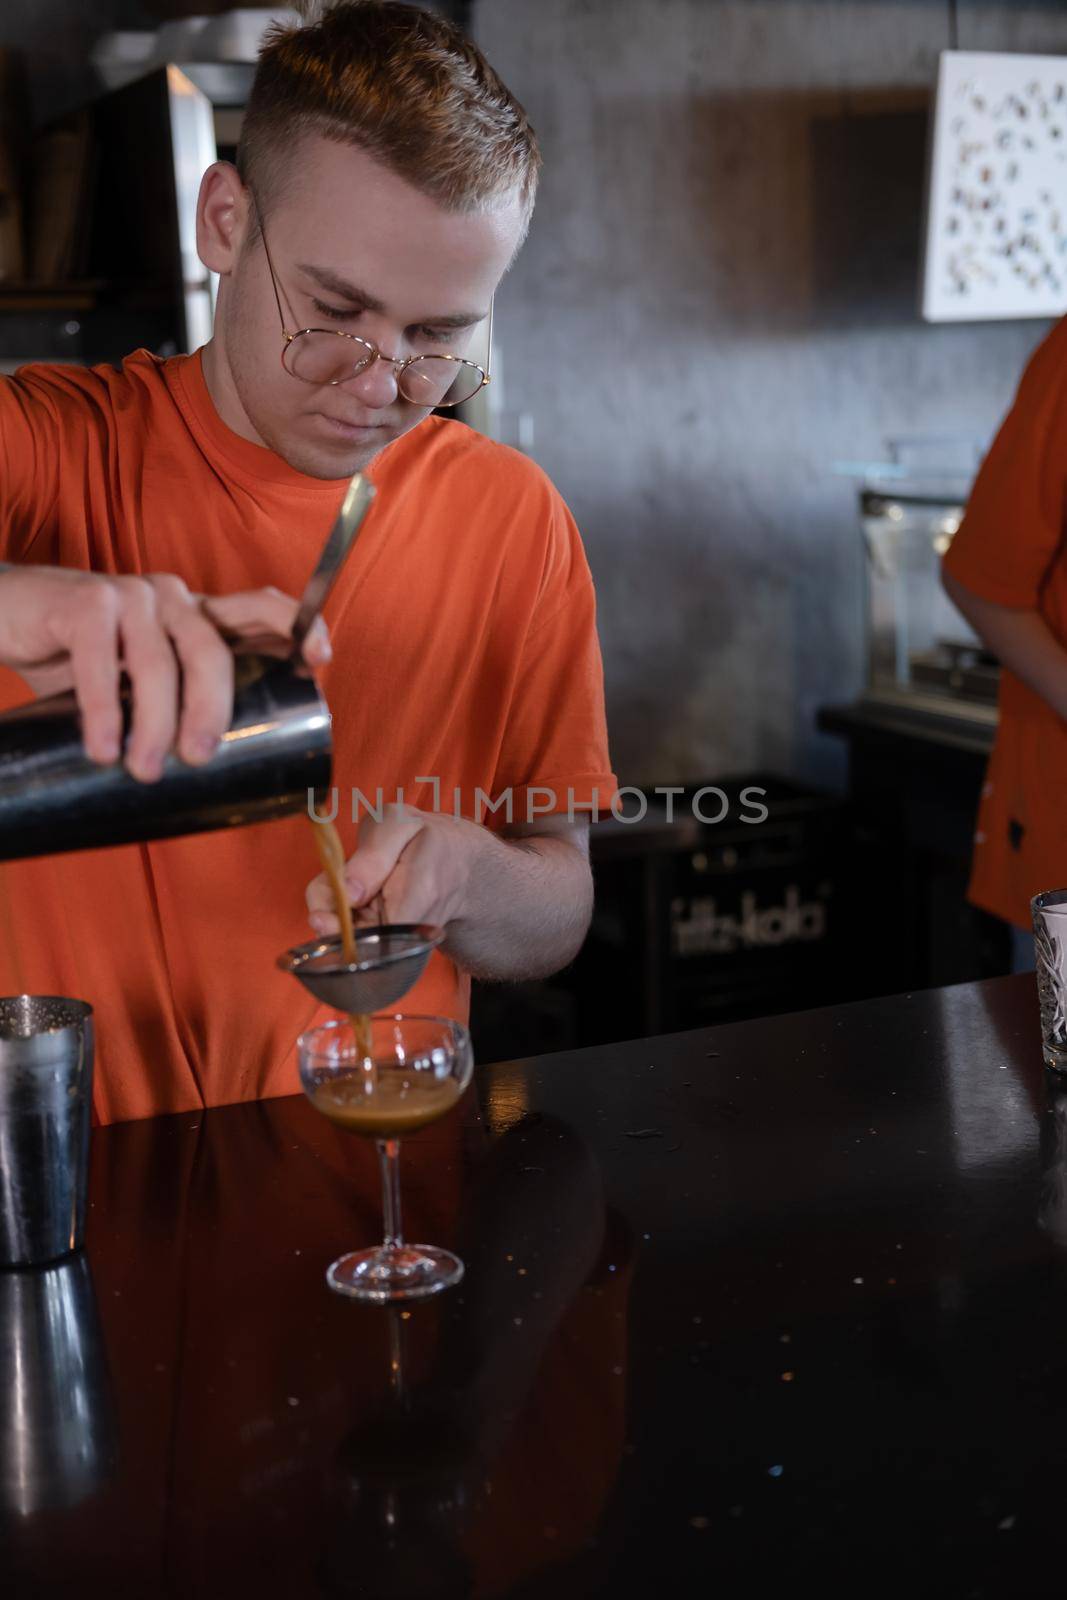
pixel 390 961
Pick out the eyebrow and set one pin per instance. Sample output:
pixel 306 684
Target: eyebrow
pixel 362 301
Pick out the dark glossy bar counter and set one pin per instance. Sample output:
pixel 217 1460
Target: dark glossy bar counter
pixel 776 1305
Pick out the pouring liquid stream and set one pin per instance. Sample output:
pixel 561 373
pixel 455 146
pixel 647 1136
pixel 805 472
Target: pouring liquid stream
pixel 332 855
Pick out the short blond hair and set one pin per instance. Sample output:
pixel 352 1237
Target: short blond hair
pixel 403 84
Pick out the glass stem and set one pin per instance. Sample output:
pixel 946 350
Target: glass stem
pixel 389 1160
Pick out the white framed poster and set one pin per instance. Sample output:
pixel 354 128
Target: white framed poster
pixel 996 218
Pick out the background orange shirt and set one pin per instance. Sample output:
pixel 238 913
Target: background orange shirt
pixel 465 649
pixel 1010 550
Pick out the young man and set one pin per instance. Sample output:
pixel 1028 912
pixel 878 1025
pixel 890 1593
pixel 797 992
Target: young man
pixel 385 182
pixel 1006 572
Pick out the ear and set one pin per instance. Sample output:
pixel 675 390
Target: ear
pixel 222 215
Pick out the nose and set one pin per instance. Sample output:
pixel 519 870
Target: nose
pixel 376 385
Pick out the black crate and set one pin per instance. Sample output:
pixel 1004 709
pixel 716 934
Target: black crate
pixel 755 918
pixel 698 922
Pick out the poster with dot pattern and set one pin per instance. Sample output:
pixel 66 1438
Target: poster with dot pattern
pixel 996 227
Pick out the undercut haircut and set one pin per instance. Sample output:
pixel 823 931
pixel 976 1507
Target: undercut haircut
pixel 403 84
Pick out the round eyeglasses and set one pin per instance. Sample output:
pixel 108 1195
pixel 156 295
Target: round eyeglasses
pixel 331 356
pixel 328 356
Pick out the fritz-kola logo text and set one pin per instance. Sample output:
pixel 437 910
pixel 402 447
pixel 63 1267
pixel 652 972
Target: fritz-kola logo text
pixel 699 928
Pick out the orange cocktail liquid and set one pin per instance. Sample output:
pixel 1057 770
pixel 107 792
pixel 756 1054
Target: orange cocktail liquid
pixel 396 1105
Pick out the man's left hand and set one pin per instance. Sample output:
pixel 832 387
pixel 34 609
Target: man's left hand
pixel 512 907
pixel 418 861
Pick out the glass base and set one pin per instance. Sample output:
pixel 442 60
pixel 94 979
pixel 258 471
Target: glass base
pixel 398 1272
pixel 1055 1056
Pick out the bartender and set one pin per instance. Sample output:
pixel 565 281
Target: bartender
pixel 383 186
pixel 1006 571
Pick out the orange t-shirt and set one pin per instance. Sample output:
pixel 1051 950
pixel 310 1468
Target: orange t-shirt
pixel 1009 550
pixel 465 650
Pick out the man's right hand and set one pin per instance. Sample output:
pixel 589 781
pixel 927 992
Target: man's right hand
pixel 61 629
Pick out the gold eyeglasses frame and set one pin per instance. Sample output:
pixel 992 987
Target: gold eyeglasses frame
pixel 400 364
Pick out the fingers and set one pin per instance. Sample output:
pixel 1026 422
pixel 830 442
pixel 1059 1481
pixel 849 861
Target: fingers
pixel 320 903
pixel 324 919
pixel 180 667
pixel 431 878
pixel 376 868
pixel 94 662
pixel 60 626
pixel 268 611
pixel 319 897
pixel 153 673
pixel 317 649
pixel 413 890
pixel 207 671
pixel 380 847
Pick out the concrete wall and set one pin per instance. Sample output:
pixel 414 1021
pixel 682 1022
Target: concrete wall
pixel 717 302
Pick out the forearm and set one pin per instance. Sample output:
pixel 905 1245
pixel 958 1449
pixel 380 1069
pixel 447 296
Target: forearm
pixel 1020 639
pixel 526 907
pixel 511 908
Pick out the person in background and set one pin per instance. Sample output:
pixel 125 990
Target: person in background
pixel 384 183
pixel 1006 571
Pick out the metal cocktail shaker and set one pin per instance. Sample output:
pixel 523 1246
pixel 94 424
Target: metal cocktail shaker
pixel 277 749
pixel 54 799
